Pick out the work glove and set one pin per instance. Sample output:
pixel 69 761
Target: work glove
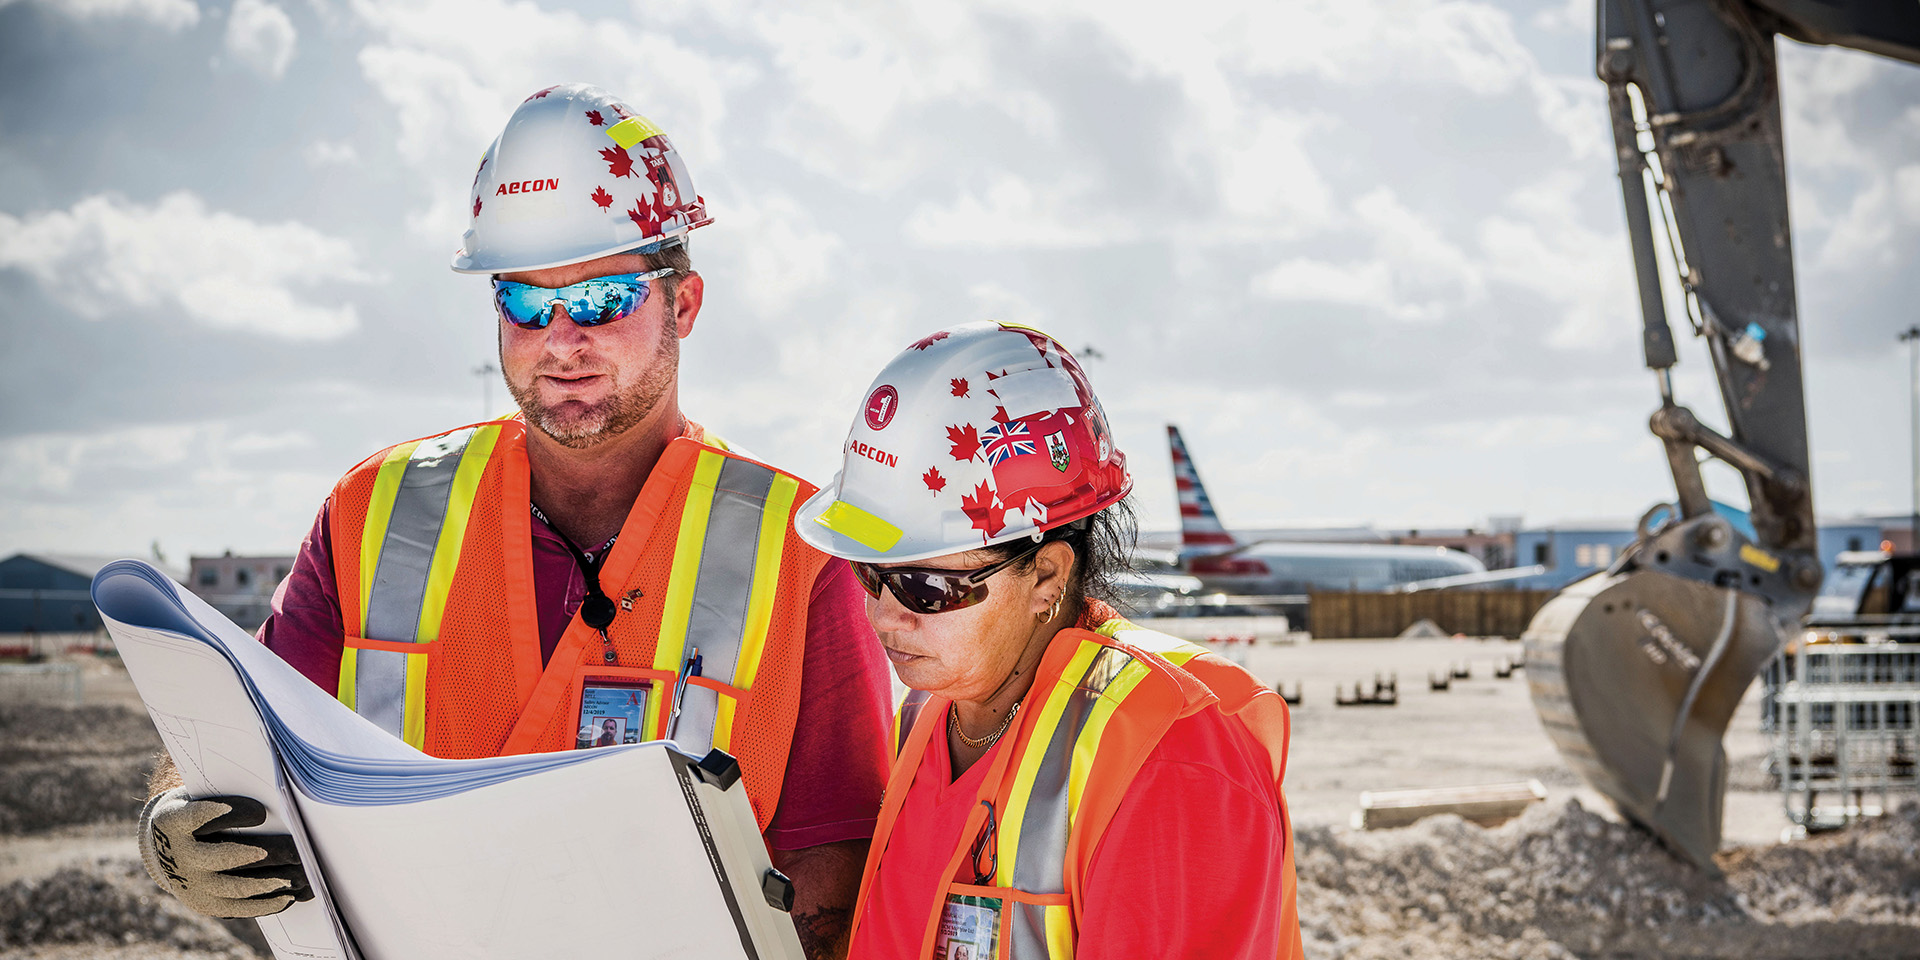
pixel 190 853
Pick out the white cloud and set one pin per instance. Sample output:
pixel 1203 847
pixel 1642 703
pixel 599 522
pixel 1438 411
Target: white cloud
pixel 326 153
pixel 168 14
pixel 1413 274
pixel 1015 215
pixel 222 270
pixel 261 36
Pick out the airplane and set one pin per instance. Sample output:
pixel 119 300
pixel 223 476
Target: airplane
pixel 1281 573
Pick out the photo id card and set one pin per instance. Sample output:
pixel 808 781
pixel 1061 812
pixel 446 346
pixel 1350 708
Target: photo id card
pixel 969 929
pixel 611 712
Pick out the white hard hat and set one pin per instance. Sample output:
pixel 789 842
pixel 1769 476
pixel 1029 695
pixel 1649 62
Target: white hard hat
pixel 575 175
pixel 971 436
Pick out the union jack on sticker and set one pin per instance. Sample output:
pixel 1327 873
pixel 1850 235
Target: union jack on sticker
pixel 1003 440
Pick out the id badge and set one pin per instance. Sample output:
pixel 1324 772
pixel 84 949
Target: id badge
pixel 969 929
pixel 612 712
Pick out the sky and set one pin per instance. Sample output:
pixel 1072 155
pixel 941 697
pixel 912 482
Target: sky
pixel 1369 256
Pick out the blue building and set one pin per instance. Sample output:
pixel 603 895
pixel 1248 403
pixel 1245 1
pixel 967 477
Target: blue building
pixel 47 593
pixel 1572 551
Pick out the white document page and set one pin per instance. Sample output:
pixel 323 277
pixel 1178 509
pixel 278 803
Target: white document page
pixel 615 852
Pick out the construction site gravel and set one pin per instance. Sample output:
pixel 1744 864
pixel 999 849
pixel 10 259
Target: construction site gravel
pixel 1566 879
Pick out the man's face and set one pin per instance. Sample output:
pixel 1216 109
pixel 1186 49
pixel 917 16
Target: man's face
pixel 608 726
pixel 582 385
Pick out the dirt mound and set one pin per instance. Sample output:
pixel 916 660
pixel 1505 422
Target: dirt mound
pixel 62 765
pixel 1565 882
pixel 111 904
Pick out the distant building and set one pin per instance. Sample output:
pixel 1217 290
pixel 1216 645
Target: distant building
pixel 241 588
pixel 49 593
pixel 1569 552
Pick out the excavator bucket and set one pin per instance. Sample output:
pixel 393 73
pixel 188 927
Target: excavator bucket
pixel 1635 677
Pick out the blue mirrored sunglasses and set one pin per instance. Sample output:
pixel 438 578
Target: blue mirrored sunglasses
pixel 590 302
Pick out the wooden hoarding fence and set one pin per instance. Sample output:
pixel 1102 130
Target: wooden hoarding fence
pixel 1476 613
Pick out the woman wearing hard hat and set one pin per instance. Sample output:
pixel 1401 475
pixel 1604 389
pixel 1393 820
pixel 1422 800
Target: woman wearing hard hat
pixel 1066 783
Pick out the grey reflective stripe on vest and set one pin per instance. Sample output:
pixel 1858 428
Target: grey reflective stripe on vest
pixel 399 585
pixel 1041 863
pixel 910 707
pixel 717 623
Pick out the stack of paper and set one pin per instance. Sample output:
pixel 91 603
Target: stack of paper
pixel 631 851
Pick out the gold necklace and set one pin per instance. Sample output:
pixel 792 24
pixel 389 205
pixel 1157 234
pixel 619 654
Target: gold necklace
pixel 953 723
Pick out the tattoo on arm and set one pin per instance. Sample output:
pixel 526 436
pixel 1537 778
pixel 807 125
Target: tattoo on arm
pixel 823 932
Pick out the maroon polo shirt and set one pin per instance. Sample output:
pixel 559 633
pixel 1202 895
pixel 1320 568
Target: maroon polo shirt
pixel 837 766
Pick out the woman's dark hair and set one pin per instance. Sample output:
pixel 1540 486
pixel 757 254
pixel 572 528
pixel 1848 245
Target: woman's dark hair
pixel 1102 553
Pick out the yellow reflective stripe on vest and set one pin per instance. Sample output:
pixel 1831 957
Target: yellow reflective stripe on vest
pixel 720 592
pixel 410 549
pixel 1169 648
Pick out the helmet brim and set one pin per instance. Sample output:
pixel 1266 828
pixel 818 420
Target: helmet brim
pixel 466 263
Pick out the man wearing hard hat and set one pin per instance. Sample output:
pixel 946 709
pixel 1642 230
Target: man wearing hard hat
pixel 497 588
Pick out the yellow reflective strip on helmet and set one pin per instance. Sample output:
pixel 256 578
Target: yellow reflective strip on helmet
pixel 774 517
pixel 453 533
pixel 1059 932
pixel 859 526
pixel 347 692
pixel 414 727
pixel 1008 829
pixel 1087 747
pixel 670 649
pixel 386 488
pixel 632 130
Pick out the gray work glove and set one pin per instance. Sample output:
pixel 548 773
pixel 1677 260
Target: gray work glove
pixel 188 852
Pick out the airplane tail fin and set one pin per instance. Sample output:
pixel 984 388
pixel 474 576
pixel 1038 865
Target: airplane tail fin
pixel 1199 525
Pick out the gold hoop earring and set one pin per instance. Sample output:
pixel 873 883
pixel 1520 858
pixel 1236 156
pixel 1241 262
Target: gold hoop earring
pixel 1054 611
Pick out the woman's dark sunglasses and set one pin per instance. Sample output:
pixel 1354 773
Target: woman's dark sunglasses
pixel 590 302
pixel 926 590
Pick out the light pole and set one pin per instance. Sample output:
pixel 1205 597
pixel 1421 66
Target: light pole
pixel 486 371
pixel 1911 337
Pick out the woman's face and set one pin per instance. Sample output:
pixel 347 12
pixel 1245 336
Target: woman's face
pixel 967 654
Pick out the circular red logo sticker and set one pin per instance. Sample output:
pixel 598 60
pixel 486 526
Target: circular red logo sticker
pixel 881 404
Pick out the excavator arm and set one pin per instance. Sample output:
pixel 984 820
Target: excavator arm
pixel 1636 672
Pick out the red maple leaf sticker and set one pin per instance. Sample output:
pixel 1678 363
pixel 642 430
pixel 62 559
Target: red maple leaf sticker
pixel 476 170
pixel 542 95
pixel 979 509
pixel 965 440
pixel 594 117
pixel 476 206
pixel 929 340
pixel 618 163
pixel 959 386
pixel 601 197
pixel 620 110
pixel 639 217
pixel 934 480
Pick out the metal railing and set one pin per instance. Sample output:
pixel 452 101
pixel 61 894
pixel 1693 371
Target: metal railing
pixel 1843 721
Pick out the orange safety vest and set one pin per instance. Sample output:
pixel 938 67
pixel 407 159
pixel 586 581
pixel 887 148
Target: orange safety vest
pixel 1100 702
pixel 433 554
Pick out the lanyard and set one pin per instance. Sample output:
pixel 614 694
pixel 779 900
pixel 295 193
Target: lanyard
pixel 597 610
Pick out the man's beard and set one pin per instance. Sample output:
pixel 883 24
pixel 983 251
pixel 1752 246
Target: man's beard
pixel 584 427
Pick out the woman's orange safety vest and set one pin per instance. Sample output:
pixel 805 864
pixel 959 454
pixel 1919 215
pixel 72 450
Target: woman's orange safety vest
pixel 1100 702
pixel 433 554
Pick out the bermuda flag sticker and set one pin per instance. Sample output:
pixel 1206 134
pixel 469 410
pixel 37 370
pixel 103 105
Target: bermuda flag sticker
pixel 1005 440
pixel 1057 448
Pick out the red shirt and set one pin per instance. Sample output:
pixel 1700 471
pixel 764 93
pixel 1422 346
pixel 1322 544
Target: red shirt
pixel 1190 867
pixel 837 765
